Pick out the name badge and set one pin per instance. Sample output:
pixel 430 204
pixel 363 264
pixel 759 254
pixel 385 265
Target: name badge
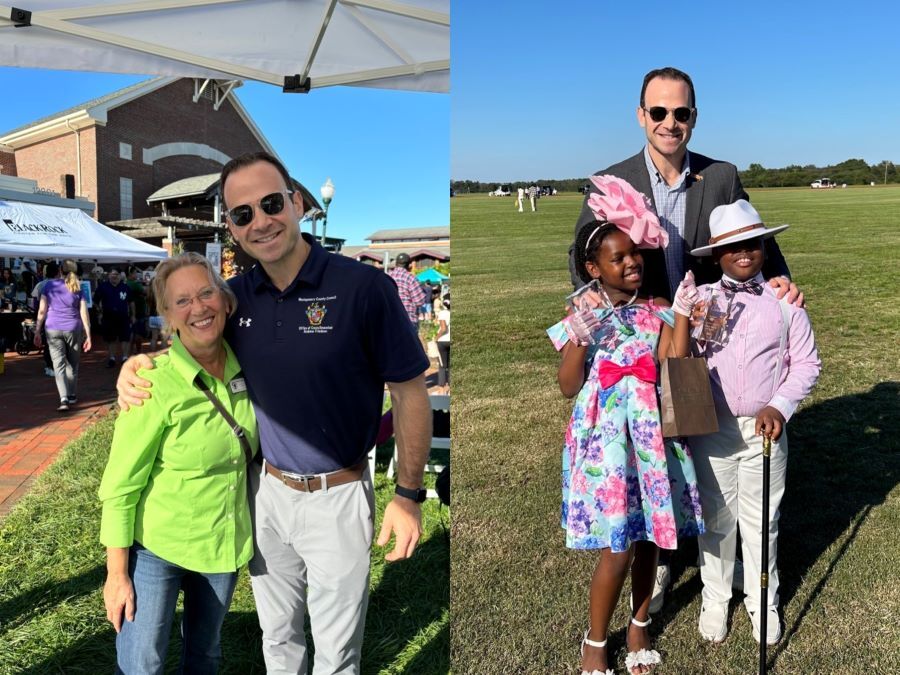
pixel 237 385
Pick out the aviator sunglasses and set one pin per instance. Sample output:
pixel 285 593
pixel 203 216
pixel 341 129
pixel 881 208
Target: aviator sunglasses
pixel 658 113
pixel 271 205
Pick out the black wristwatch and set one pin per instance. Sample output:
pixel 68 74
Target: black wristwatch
pixel 418 495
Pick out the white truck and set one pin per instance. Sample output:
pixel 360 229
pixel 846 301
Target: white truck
pixel 822 183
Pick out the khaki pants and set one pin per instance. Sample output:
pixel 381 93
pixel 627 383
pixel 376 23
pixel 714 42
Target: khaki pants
pixel 311 555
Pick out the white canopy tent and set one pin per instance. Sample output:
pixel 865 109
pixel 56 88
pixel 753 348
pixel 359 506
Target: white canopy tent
pixel 38 231
pixel 295 44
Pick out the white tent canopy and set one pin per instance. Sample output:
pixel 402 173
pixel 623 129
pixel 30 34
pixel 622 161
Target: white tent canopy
pixel 38 231
pixel 291 43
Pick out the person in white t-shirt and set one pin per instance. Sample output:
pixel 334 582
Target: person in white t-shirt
pixel 443 344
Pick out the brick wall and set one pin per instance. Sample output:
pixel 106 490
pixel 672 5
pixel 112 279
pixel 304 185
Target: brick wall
pixel 167 115
pixel 7 164
pixel 48 161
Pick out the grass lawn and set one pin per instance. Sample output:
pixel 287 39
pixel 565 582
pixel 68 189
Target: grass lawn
pixel 52 568
pixel 520 598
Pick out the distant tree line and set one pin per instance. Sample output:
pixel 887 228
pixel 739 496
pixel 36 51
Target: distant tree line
pixel 851 172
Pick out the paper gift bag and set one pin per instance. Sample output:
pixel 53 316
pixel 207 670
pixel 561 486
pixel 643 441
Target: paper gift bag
pixel 687 405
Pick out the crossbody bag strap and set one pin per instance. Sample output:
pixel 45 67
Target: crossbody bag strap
pixel 236 428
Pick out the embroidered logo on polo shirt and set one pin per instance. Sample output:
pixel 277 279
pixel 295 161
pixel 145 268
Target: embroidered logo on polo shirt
pixel 315 313
pixel 244 323
pixel 316 310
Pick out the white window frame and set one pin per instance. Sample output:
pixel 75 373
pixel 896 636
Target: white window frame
pixel 126 199
pixel 124 150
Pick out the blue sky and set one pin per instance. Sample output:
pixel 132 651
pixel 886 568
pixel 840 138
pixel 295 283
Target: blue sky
pixel 550 90
pixel 387 152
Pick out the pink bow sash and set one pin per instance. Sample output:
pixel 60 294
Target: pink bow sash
pixel 643 369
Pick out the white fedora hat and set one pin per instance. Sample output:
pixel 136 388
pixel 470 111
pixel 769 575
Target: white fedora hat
pixel 730 223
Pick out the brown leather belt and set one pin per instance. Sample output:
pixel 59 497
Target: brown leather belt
pixel 312 483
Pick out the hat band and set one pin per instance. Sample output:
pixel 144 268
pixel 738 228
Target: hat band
pixel 720 237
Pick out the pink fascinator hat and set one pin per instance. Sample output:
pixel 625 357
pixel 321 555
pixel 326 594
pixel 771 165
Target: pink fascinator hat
pixel 627 209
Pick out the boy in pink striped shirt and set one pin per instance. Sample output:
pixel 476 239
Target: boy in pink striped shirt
pixel 763 367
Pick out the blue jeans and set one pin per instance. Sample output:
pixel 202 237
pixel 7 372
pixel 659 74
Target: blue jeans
pixel 142 644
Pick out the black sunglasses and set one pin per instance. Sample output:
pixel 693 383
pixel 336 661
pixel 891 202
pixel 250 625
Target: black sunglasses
pixel 658 113
pixel 271 205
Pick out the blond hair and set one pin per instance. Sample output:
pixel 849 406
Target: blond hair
pixel 70 270
pixel 165 269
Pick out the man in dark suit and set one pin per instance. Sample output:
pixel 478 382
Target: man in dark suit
pixel 683 186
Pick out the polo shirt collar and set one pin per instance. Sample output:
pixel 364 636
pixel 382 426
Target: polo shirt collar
pixel 654 172
pixel 310 274
pixel 187 367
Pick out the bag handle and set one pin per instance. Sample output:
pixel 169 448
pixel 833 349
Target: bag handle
pixel 236 428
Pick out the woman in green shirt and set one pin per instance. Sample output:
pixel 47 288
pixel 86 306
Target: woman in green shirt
pixel 175 510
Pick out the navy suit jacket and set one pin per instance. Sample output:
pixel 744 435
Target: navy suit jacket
pixel 711 183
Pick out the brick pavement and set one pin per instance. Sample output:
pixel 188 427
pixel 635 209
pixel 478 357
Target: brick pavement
pixel 31 431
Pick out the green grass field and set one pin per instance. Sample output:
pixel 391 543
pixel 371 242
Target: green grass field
pixel 519 598
pixel 52 568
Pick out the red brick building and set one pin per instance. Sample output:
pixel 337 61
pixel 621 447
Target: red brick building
pixel 119 149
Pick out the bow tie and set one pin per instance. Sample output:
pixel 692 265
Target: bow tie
pixel 753 287
pixel 643 369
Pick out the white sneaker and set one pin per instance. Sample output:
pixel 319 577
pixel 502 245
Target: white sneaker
pixel 713 625
pixel 49 372
pixel 663 578
pixel 773 625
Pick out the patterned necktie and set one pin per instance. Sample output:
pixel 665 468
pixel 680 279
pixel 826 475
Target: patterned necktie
pixel 751 286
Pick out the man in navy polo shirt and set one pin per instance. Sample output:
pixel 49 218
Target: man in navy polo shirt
pixel 317 336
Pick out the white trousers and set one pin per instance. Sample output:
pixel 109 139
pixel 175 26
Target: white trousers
pixel 533 204
pixel 311 555
pixel 729 467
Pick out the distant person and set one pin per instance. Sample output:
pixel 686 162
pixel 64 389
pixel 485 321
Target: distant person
pixel 426 308
pixel 63 312
pixel 51 271
pixel 533 194
pixel 29 276
pixel 756 390
pixel 175 510
pixel 155 323
pixel 138 297
pixel 114 310
pixel 683 187
pixel 520 198
pixel 411 294
pixel 443 343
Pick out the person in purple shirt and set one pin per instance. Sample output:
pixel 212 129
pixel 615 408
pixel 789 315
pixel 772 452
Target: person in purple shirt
pixel 760 369
pixel 63 312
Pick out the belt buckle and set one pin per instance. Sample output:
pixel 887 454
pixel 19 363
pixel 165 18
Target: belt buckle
pixel 297 478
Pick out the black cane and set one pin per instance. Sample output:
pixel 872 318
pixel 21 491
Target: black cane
pixel 764 565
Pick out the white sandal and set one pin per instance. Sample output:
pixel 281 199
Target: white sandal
pixel 642 657
pixel 598 645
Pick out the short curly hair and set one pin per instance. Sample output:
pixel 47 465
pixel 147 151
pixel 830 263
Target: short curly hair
pixel 585 251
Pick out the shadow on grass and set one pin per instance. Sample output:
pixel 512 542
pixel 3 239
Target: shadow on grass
pixel 844 459
pixel 45 597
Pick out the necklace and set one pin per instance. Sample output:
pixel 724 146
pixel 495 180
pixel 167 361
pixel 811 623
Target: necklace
pixel 624 328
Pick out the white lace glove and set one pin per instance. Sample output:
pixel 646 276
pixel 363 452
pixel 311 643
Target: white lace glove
pixel 580 325
pixel 686 296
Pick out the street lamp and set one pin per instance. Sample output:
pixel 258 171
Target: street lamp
pixel 327 192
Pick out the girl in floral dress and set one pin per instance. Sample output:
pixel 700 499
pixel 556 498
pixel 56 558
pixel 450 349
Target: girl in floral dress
pixel 626 490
